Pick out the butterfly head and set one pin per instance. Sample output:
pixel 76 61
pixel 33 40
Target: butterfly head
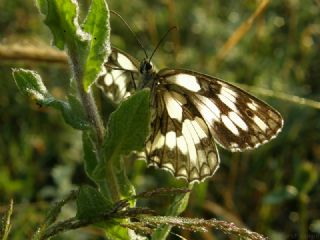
pixel 146 67
pixel 147 72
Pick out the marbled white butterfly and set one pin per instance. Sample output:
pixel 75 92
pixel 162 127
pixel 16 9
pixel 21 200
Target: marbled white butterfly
pixel 192 113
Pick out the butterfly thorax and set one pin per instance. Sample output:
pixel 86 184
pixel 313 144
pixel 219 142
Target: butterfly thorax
pixel 148 74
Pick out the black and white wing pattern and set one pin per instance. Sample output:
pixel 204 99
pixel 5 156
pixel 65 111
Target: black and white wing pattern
pixel 121 70
pixel 193 112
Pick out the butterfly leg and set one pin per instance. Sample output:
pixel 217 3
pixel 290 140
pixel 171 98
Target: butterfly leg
pixel 133 82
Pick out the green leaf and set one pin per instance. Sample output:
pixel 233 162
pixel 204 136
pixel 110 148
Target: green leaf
pixel 128 127
pixel 178 205
pixel 97 24
pixel 42 6
pixel 90 154
pixel 62 19
pixel 127 130
pixel 31 85
pixel 91 203
pixel 71 112
pixel 89 47
pixel 74 114
pixel 117 232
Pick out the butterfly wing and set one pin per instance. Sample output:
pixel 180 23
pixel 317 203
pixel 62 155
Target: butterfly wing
pixel 121 71
pixel 180 141
pixel 193 111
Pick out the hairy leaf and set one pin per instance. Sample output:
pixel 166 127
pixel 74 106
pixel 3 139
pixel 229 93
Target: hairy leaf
pixel 31 85
pixel 97 24
pixel 90 154
pixel 62 19
pixel 91 203
pixel 178 205
pixel 127 129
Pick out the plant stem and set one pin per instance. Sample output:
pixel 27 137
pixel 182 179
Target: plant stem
pixel 74 223
pixel 303 226
pixel 87 98
pixel 109 186
pixel 112 182
pixel 5 222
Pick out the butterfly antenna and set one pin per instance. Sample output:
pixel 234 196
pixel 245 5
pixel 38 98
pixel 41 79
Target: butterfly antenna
pixel 135 35
pixel 161 40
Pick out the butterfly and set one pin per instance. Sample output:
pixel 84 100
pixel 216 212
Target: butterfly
pixel 192 113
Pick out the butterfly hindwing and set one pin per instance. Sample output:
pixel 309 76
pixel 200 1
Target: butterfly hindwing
pixel 180 141
pixel 121 71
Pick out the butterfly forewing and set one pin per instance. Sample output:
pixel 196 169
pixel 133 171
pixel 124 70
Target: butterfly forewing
pixel 191 113
pixel 236 119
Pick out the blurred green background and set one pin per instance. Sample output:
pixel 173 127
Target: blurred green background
pixel 273 190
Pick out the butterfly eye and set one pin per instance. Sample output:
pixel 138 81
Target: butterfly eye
pixel 148 66
pixel 145 67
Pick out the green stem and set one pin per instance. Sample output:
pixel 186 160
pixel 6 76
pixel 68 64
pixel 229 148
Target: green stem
pixel 53 215
pixel 303 226
pixel 5 222
pixel 109 187
pixel 177 207
pixel 87 98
